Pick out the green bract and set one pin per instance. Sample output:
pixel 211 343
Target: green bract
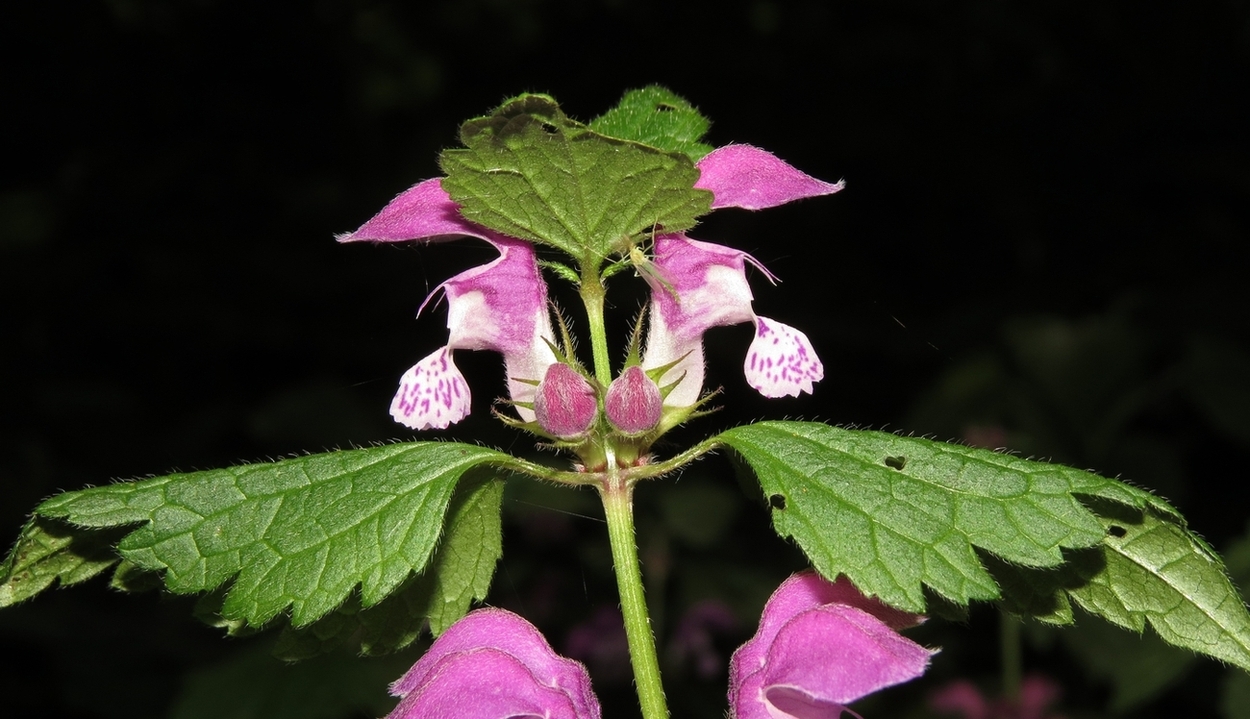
pixel 530 172
pixel 657 117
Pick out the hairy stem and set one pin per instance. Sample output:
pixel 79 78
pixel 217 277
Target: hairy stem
pixel 619 509
pixel 593 294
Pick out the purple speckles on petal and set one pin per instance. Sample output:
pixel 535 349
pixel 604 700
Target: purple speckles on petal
pixel 500 306
pixel 781 362
pixel 432 394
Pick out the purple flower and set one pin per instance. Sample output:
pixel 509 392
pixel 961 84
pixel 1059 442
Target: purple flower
pixel 500 306
pixel 820 646
pixel 701 285
pixel 492 664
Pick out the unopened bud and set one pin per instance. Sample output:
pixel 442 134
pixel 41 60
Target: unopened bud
pixel 565 402
pixel 633 402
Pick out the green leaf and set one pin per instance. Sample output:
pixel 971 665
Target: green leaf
pixel 658 117
pixel 897 513
pixel 459 573
pixel 1156 572
pixel 301 533
pixel 48 552
pixel 530 172
pixel 129 577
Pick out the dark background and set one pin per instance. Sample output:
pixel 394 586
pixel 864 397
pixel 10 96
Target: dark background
pixel 1041 246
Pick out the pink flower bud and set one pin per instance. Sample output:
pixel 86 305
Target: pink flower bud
pixel 633 402
pixel 565 402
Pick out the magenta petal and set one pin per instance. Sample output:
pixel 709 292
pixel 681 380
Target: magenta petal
pixel 808 590
pixel 750 178
pixel 420 212
pixel 484 683
pixel 839 654
pixel 820 645
pixel 508 633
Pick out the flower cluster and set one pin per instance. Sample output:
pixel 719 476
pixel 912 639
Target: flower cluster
pixel 820 645
pixel 502 306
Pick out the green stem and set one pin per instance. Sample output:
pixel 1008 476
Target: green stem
pixel 1009 638
pixel 593 294
pixel 619 510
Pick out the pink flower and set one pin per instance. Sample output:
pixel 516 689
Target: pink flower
pixel 820 646
pixel 500 306
pixel 702 285
pixel 492 664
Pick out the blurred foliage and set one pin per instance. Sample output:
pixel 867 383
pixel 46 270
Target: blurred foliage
pixel 1041 246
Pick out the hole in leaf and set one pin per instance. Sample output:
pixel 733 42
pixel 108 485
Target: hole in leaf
pixel 777 501
pixel 896 462
pixel 1116 531
pixel 664 107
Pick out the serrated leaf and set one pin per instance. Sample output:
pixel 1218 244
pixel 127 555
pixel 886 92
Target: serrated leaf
pixel 896 514
pixel 530 172
pixel 1039 593
pixel 49 552
pixel 658 117
pixel 129 577
pixel 1157 573
pixel 301 533
pixel 459 573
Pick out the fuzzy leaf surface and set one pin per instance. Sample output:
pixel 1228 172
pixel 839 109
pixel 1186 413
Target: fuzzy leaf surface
pixel 1156 572
pixel 48 552
pixel 658 117
pixel 530 172
pixel 458 574
pixel 300 533
pixel 897 514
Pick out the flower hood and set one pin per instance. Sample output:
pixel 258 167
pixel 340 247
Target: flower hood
pixel 500 306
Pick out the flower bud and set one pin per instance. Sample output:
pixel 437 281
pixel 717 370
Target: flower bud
pixel 565 402
pixel 633 402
